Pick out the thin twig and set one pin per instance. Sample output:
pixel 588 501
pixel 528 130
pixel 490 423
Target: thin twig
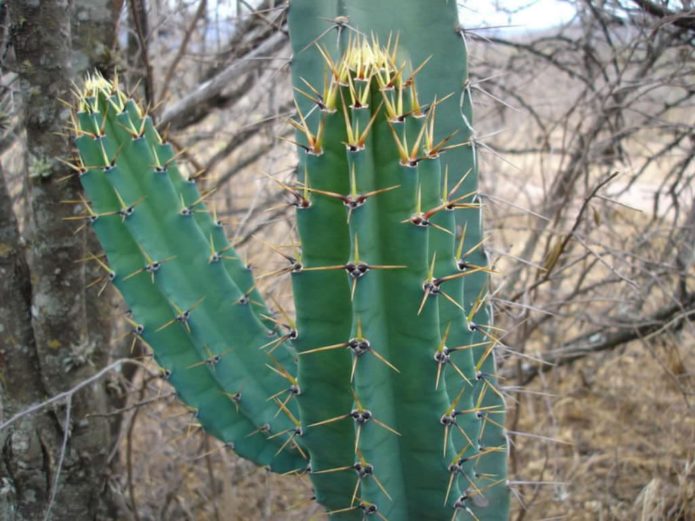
pixel 66 395
pixel 61 458
pixel 202 4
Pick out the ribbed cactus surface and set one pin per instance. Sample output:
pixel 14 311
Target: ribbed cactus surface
pixel 430 42
pixel 384 390
pixel 374 185
pixel 189 297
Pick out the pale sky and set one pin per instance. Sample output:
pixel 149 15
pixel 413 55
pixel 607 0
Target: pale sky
pixel 527 14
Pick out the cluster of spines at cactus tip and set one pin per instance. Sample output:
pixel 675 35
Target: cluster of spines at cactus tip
pixel 364 69
pixel 122 159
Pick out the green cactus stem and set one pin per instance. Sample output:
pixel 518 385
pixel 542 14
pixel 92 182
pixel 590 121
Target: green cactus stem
pixel 384 391
pixel 372 164
pixel 181 280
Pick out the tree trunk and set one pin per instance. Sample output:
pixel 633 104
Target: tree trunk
pixel 53 334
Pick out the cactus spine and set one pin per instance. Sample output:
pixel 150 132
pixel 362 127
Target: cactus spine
pixel 385 391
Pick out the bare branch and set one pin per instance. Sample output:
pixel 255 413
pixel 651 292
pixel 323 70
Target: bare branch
pixel 210 88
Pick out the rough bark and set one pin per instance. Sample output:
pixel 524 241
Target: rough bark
pixel 19 366
pixel 51 459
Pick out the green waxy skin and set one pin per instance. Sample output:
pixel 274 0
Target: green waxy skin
pixel 416 453
pixel 219 361
pixel 213 230
pixel 426 31
pixel 195 386
pixel 457 371
pixel 384 391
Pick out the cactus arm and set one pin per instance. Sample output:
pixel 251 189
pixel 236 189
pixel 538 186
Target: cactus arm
pixel 212 228
pixel 213 408
pixel 124 186
pixel 187 277
pixel 394 384
pixel 395 332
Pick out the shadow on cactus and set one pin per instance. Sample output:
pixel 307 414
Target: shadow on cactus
pixel 384 391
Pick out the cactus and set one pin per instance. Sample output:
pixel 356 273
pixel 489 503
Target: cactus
pixel 189 296
pixel 428 33
pixel 384 391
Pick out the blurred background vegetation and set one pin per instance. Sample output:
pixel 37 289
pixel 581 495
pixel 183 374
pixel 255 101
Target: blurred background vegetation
pixel 584 114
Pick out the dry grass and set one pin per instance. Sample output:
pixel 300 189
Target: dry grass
pixel 625 437
pixel 180 473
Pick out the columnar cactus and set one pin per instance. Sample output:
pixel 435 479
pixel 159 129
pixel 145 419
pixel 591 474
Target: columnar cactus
pixel 189 297
pixel 384 392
